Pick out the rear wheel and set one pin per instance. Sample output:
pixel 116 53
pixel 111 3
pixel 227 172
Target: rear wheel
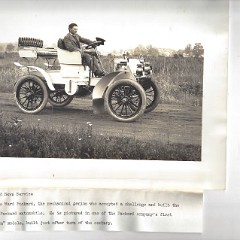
pixel 31 94
pixel 59 98
pixel 153 96
pixel 152 93
pixel 125 100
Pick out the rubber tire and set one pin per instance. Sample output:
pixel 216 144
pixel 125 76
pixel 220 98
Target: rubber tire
pixel 40 82
pixel 59 105
pixel 30 42
pixel 156 100
pixel 135 85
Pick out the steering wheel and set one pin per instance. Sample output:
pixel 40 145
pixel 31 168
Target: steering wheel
pixel 99 41
pixel 93 44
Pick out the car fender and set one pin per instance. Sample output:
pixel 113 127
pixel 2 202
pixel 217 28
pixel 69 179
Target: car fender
pixel 45 75
pixel 101 87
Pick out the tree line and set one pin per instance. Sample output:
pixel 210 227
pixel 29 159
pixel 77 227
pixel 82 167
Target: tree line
pixel 8 47
pixel 189 51
pixel 196 51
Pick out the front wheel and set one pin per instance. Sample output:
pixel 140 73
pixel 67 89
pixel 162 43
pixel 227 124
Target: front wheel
pixel 59 98
pixel 31 94
pixel 125 100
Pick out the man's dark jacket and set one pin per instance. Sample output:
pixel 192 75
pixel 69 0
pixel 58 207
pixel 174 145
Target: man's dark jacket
pixel 74 43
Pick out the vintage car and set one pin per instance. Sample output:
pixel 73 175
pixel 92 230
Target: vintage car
pixel 123 94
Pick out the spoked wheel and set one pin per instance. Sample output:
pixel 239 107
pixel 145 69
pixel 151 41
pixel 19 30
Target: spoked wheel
pixel 125 100
pixel 152 94
pixel 31 94
pixel 59 98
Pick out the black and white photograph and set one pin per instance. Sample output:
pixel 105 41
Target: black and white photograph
pixel 97 80
pixel 113 115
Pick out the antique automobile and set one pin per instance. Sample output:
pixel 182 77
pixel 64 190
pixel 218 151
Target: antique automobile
pixel 119 93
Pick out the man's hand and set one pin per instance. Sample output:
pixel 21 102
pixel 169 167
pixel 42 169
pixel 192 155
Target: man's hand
pixel 91 50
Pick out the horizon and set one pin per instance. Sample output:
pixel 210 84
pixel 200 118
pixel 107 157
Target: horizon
pixel 114 50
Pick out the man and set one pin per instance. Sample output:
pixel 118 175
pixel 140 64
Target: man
pixel 73 42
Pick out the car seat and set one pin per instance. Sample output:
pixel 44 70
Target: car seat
pixel 66 57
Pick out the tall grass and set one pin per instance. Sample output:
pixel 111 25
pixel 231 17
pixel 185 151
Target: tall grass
pixel 84 143
pixel 8 72
pixel 180 80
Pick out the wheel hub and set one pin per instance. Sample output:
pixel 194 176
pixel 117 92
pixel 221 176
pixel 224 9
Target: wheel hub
pixel 30 95
pixel 125 100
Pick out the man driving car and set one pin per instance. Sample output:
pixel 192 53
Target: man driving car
pixel 73 42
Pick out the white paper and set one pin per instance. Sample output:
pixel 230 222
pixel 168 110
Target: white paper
pixel 144 181
pixel 99 209
pixel 174 175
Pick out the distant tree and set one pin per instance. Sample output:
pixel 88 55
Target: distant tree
pixel 180 52
pixel 10 47
pixel 149 50
pixel 152 51
pixel 198 50
pixel 188 50
pixel 2 47
pixel 114 52
pixel 121 51
pixel 139 50
pixel 178 55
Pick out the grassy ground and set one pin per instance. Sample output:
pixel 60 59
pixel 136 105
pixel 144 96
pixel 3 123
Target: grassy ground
pixel 16 141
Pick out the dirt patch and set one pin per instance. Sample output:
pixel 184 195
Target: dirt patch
pixel 167 123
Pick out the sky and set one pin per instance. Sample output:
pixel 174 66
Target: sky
pixel 123 23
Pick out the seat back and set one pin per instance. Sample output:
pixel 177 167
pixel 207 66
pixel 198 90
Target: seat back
pixel 61 44
pixel 67 57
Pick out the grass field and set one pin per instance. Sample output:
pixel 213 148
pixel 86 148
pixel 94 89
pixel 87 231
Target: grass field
pixel 84 143
pixel 180 80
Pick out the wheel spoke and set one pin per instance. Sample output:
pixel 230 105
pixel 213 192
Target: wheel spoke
pixel 118 107
pixel 29 84
pixel 64 98
pixel 131 103
pixel 131 110
pixel 59 97
pixel 147 91
pixel 22 97
pixel 127 107
pixel 26 88
pixel 122 109
pixel 20 92
pixel 53 94
pixel 24 101
pixel 134 96
pixel 151 99
pixel 27 104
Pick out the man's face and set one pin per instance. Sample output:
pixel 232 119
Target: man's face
pixel 73 30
